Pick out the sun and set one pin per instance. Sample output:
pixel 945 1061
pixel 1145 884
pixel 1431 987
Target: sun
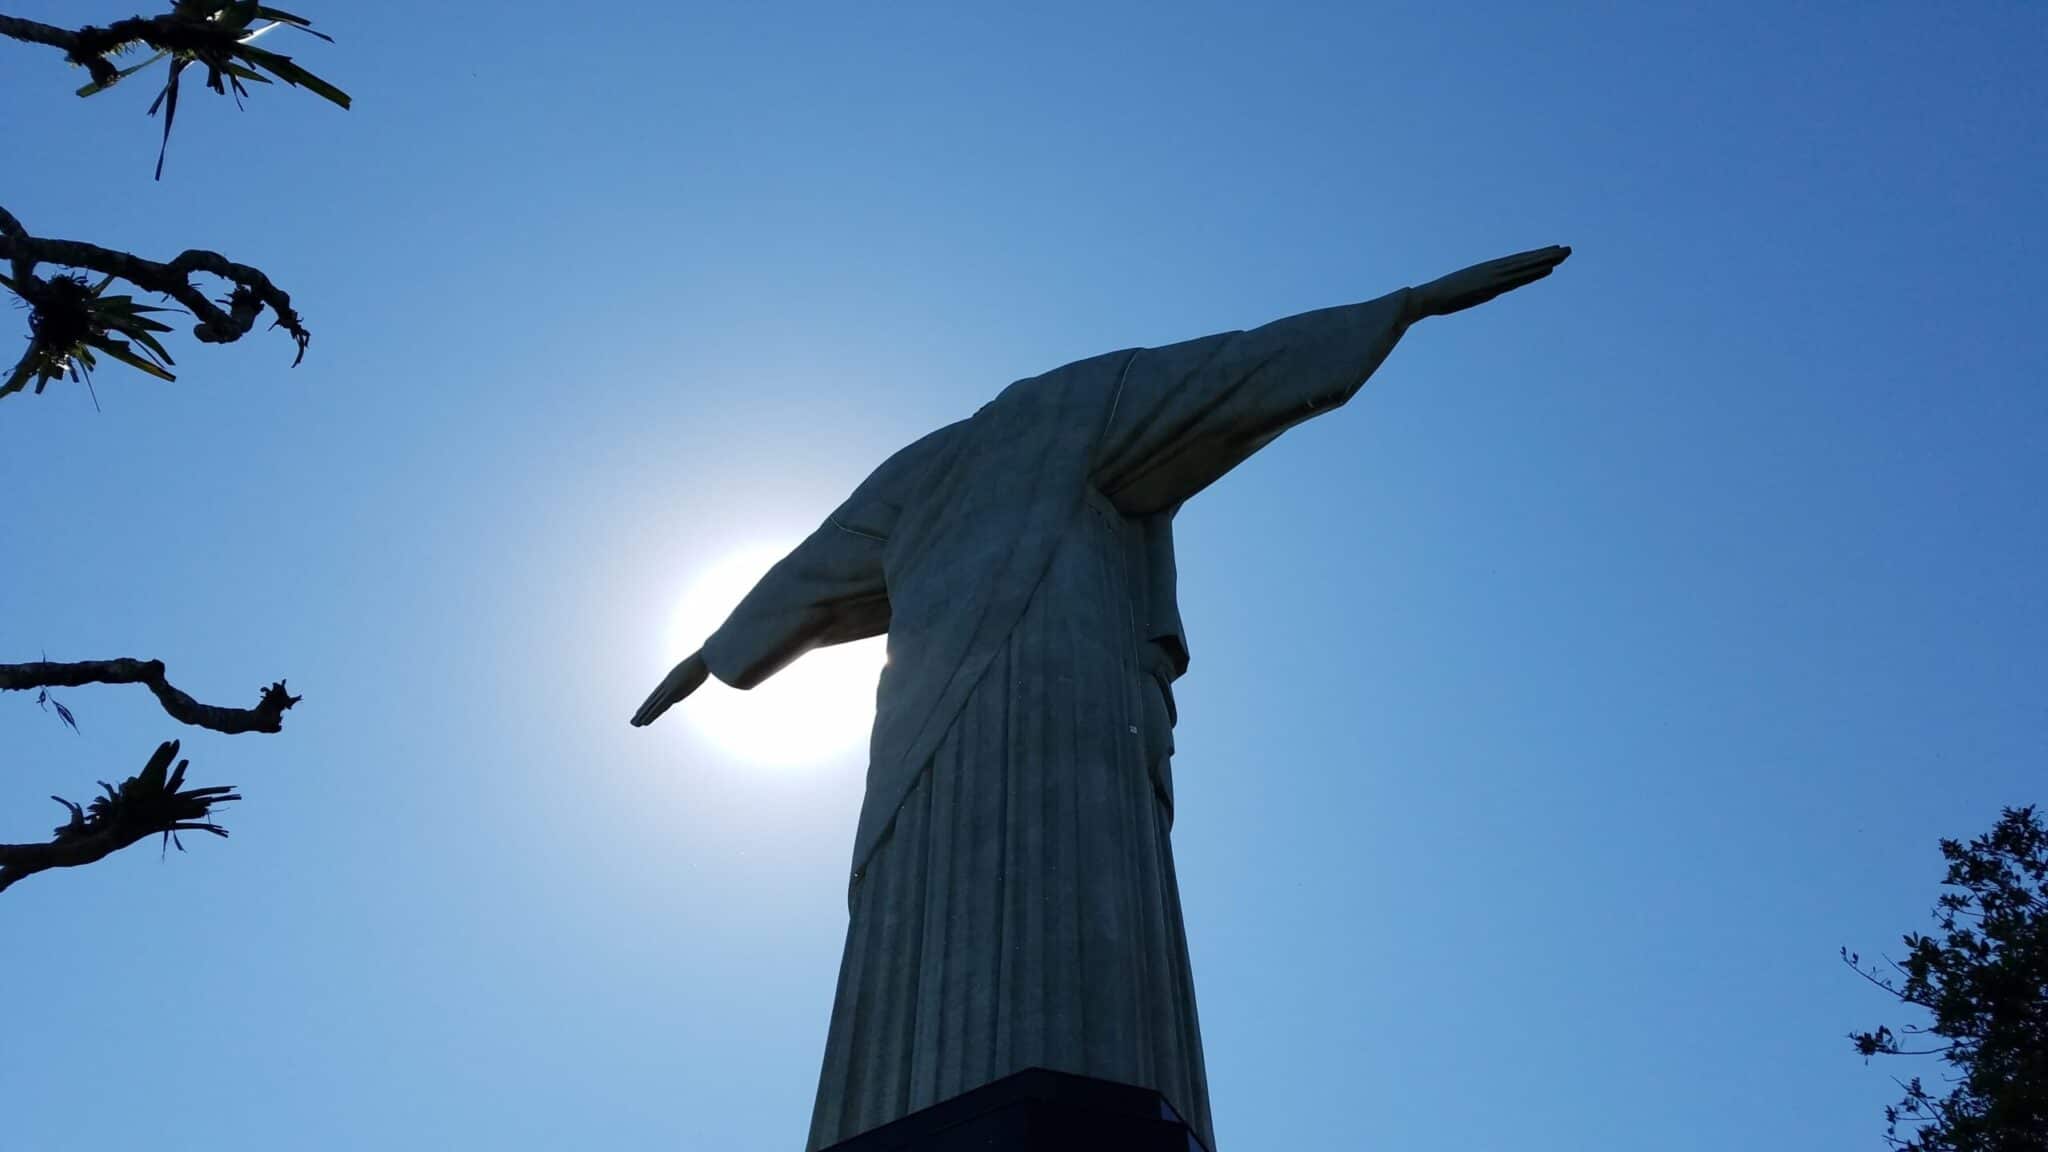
pixel 820 708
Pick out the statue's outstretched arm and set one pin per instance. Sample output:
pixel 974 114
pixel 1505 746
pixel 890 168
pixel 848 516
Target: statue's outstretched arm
pixel 1471 287
pixel 682 680
pixel 829 590
pixel 1187 413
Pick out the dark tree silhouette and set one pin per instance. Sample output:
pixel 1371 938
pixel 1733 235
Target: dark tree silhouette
pixel 73 320
pixel 1984 982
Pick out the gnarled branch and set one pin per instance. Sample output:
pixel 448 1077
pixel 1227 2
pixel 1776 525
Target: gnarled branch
pixel 253 291
pixel 153 802
pixel 266 716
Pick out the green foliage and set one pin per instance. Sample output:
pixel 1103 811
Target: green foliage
pixel 1984 981
pixel 216 34
pixel 69 322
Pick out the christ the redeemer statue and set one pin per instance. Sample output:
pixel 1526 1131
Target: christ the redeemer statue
pixel 1012 901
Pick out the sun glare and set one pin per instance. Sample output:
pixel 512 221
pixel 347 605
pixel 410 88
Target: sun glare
pixel 819 708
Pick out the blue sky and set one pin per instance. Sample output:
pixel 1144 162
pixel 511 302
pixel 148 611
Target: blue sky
pixel 1557 709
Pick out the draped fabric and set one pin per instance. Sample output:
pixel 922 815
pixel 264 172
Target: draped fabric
pixel 1012 898
pixel 1023 910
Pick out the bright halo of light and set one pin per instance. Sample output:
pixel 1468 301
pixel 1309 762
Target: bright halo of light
pixel 819 708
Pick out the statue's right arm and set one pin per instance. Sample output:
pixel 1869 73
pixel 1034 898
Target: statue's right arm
pixel 1187 413
pixel 1471 287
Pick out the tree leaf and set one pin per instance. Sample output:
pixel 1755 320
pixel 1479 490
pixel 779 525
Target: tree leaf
pixel 97 87
pixel 123 352
pixel 168 98
pixel 299 22
pixel 283 68
pixel 156 348
pixel 18 379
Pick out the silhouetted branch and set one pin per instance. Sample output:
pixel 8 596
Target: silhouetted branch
pixel 150 803
pixel 1871 976
pixel 89 47
pixel 30 32
pixel 252 293
pixel 201 35
pixel 267 716
pixel 213 34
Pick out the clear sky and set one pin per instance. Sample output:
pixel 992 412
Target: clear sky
pixel 1557 709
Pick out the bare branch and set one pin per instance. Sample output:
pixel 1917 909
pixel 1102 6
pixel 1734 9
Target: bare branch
pixel 267 716
pixel 90 46
pixel 30 32
pixel 11 232
pixel 1876 982
pixel 153 802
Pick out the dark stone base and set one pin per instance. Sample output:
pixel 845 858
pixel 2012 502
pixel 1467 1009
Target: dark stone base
pixel 1037 1110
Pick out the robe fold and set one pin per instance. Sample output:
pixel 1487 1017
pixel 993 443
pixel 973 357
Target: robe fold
pixel 1012 900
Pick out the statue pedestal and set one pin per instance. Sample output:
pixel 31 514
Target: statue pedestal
pixel 1037 1110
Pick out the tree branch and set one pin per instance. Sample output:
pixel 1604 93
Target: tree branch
pixel 267 716
pixel 153 802
pixel 90 47
pixel 30 32
pixel 1875 982
pixel 252 293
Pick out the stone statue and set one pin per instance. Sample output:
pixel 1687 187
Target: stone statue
pixel 1012 899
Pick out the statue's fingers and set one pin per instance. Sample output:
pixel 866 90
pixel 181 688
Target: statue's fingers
pixel 1531 271
pixel 656 703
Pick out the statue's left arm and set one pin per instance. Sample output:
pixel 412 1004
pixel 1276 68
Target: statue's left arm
pixel 828 590
pixel 1187 413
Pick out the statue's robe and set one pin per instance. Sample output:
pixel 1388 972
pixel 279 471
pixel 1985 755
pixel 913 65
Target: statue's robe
pixel 1012 898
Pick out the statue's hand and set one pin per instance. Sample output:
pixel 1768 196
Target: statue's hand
pixel 1482 282
pixel 682 680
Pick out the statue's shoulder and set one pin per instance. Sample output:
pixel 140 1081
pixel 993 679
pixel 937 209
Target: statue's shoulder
pixel 874 505
pixel 1066 392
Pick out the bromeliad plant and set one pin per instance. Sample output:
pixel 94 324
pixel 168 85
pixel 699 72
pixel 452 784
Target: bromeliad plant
pixel 72 320
pixel 69 322
pixel 215 34
pixel 153 802
pixel 218 35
